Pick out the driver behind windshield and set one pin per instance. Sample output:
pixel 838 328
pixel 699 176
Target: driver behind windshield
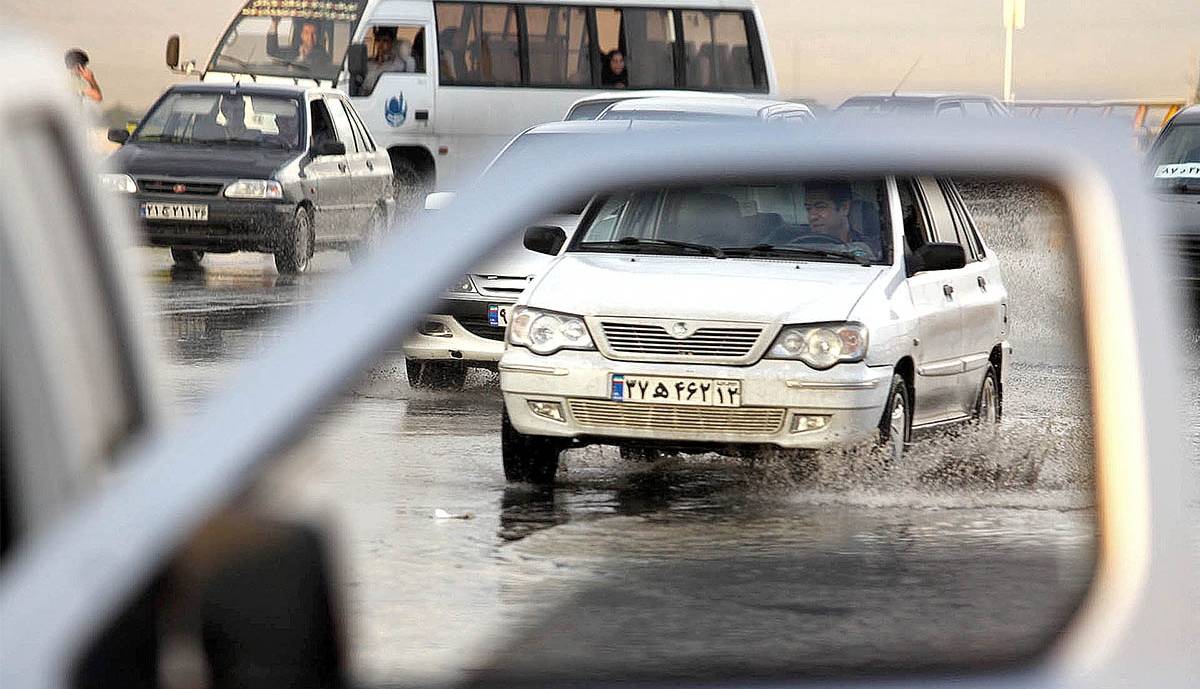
pixel 233 111
pixel 308 52
pixel 828 208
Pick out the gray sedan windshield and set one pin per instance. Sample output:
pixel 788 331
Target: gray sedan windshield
pixel 221 118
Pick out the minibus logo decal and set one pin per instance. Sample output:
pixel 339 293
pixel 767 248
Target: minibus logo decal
pixel 396 110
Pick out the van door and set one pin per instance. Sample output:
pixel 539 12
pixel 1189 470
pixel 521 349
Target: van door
pixel 397 100
pixel 939 321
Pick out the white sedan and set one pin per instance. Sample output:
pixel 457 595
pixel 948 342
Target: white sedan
pixel 797 314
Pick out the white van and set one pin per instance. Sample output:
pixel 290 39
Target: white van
pixel 444 85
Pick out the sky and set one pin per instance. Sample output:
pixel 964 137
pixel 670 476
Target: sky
pixel 825 50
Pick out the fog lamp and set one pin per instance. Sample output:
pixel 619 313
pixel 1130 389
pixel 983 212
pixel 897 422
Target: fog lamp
pixel 547 410
pixel 434 329
pixel 809 422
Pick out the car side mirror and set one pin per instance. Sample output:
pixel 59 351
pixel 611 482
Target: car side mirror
pixel 439 200
pixel 940 256
pixel 356 65
pixel 330 148
pixel 173 51
pixel 118 135
pixel 545 239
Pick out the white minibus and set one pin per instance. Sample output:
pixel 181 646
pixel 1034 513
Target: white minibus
pixel 444 85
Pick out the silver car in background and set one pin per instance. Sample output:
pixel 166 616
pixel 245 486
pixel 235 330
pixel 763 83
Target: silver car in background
pixel 798 314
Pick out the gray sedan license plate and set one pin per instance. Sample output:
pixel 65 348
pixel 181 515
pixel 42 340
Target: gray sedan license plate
pixel 700 392
pixel 187 212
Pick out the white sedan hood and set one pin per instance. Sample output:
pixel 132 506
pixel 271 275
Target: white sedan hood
pixel 701 288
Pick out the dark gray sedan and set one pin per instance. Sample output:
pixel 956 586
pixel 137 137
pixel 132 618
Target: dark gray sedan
pixel 281 169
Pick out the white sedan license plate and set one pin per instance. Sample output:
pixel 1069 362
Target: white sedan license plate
pixel 188 212
pixel 700 392
pixel 498 315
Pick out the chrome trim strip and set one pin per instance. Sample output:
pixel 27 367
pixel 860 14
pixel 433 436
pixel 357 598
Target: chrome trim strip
pixel 975 361
pixel 822 385
pixel 525 368
pixel 942 368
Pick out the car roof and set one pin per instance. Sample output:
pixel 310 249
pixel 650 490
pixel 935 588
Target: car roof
pixel 1189 115
pixel 653 93
pixel 877 97
pixel 273 89
pixel 576 127
pixel 734 107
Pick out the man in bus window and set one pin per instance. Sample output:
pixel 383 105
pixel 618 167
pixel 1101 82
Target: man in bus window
pixel 389 55
pixel 309 52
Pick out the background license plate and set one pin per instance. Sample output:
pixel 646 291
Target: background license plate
pixel 701 392
pixel 192 212
pixel 498 315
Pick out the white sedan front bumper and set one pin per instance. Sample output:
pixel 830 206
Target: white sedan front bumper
pixel 774 394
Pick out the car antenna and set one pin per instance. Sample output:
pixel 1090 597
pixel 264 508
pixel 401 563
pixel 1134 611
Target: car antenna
pixel 906 75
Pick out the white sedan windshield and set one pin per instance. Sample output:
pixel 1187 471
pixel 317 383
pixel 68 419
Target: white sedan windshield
pixel 773 220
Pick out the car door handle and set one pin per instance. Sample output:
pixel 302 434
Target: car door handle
pixel 343 167
pixel 982 282
pixel 421 115
pixel 371 166
pixel 948 290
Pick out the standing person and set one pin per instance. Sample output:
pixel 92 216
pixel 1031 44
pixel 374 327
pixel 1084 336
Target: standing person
pixel 612 72
pixel 85 80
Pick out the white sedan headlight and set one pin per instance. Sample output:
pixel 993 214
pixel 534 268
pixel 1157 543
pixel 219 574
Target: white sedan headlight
pixel 254 189
pixel 821 346
pixel 119 183
pixel 546 332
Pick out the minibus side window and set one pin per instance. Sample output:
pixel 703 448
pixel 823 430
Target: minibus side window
pixel 559 45
pixel 478 44
pixel 716 51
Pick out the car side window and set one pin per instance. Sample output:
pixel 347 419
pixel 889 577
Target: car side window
pixel 951 109
pixel 366 143
pixel 916 228
pixel 943 229
pixel 322 125
pixel 968 235
pixel 342 123
pixel 976 108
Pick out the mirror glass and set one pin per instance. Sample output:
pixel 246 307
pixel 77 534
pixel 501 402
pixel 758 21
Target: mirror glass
pixel 734 436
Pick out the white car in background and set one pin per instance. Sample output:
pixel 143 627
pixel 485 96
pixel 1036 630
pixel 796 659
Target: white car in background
pixel 705 108
pixel 591 107
pixel 798 315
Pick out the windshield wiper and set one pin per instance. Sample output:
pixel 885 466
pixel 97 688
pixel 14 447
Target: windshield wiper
pixel 708 249
pixel 237 61
pixel 290 63
pixel 797 251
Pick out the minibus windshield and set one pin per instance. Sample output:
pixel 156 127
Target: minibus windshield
pixel 269 39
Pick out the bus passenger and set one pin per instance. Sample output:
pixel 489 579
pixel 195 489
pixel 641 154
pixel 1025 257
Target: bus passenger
pixel 309 52
pixel 389 55
pixel 612 73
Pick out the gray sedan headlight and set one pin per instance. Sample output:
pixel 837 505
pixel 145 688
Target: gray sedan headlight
pixel 821 346
pixel 546 332
pixel 119 183
pixel 254 189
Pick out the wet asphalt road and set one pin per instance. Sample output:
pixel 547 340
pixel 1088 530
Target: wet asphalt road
pixel 975 550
